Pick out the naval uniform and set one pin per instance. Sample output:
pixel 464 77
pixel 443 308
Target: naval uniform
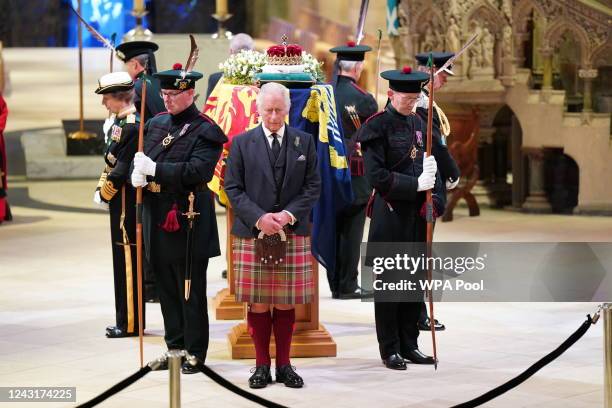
pixel 121 198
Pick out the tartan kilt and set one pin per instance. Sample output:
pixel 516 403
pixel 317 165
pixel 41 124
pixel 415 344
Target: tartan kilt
pixel 288 283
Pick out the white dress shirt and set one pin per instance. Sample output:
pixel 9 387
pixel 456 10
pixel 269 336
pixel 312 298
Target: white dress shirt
pixel 270 138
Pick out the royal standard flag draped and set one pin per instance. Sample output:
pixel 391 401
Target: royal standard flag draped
pixel 314 111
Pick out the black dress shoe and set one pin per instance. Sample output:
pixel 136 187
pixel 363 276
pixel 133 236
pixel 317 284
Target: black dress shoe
pixel 113 332
pixel 357 294
pixel 395 362
pixel 189 368
pixel 417 357
pixel 289 377
pixel 261 377
pixel 224 274
pixel 424 325
pixel 335 295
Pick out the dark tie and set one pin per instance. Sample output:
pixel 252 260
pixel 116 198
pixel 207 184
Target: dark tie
pixel 275 146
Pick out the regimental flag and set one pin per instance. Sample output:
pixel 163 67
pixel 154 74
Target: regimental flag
pixel 314 111
pixel 392 18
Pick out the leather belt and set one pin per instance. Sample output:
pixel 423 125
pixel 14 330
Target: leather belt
pixel 154 187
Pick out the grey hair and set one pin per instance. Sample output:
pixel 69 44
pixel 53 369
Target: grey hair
pixel 347 65
pixel 241 41
pixel 126 96
pixel 142 59
pixel 273 88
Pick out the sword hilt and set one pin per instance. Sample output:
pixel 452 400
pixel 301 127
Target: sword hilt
pixel 191 214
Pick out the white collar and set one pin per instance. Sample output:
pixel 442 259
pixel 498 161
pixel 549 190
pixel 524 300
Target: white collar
pixel 268 133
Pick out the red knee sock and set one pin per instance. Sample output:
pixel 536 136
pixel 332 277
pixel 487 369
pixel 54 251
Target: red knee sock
pixel 260 328
pixel 283 321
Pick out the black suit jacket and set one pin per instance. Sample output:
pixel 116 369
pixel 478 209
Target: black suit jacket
pixel 250 186
pixel 212 82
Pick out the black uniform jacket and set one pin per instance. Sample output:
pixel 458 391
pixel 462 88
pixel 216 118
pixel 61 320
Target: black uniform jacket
pixel 123 143
pixel 393 146
pixel 186 148
pixel 348 93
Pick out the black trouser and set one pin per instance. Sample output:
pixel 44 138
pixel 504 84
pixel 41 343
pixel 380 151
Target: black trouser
pixel 126 283
pixel 185 322
pixel 396 327
pixel 349 232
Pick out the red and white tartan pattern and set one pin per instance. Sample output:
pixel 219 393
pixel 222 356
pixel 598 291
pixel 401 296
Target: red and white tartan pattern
pixel 288 283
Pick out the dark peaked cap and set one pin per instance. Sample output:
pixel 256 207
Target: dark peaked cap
pixel 131 49
pixel 405 80
pixel 351 52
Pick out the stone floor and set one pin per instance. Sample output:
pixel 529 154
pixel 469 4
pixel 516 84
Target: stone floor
pixel 57 297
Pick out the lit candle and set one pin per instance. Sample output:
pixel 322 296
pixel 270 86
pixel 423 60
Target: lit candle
pixel 221 7
pixel 139 5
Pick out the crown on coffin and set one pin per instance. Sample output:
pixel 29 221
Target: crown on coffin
pixel 285 54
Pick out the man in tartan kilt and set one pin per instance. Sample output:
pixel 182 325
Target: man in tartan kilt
pixel 272 183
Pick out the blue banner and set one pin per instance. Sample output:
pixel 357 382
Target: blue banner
pixel 106 16
pixel 314 111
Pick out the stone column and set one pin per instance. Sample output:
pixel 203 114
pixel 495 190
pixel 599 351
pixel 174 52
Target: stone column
pixel 536 201
pixel 517 164
pixel 519 48
pixel 547 55
pixel 587 76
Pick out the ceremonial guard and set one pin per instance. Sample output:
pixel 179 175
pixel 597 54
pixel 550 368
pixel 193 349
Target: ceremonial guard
pixel 449 171
pixel 393 143
pixel 181 148
pixel 113 192
pixel 272 182
pixel 139 60
pixel 354 106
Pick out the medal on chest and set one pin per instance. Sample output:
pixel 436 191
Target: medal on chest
pixel 419 138
pixel 168 139
pixel 111 158
pixel 116 133
pixel 413 152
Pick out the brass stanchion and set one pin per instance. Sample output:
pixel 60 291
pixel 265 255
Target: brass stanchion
pixel 174 370
pixel 81 134
pixel 607 315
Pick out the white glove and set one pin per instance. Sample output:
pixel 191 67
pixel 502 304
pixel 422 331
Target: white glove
pixel 144 165
pixel 429 164
pixel 138 179
pixel 450 185
pixel 108 123
pixel 98 201
pixel 427 179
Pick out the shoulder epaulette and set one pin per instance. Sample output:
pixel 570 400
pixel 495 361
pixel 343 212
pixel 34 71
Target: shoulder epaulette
pixel 374 115
pixel 357 87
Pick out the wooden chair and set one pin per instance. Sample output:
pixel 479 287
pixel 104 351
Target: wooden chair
pixel 463 146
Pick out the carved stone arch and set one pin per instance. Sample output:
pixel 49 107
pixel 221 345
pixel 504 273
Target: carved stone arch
pixel 423 16
pixel 521 14
pixel 559 27
pixel 421 20
pixel 601 56
pixel 492 15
